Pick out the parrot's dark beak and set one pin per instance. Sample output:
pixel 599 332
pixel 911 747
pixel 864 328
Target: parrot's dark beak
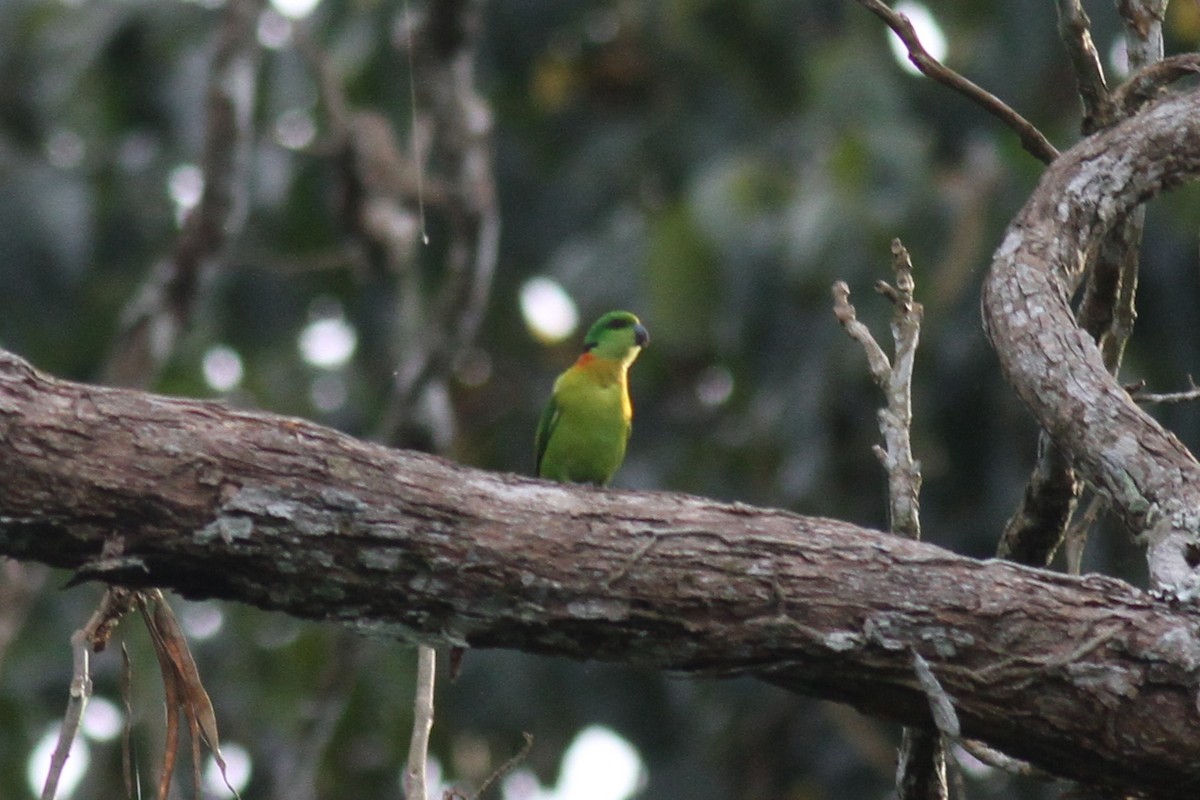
pixel 641 335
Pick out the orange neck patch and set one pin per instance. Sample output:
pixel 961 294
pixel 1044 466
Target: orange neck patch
pixel 603 370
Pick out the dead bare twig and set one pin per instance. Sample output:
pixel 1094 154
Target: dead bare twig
pixel 945 718
pixel 501 771
pixel 921 773
pixel 1034 142
pixel 418 748
pixel 895 380
pixel 92 637
pixel 1139 394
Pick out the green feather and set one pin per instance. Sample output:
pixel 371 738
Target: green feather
pixel 583 430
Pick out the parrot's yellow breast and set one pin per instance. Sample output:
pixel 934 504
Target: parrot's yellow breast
pixel 592 424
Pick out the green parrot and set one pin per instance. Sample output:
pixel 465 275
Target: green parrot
pixel 582 434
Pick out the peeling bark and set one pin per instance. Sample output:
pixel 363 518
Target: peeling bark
pixel 1056 368
pixel 1088 678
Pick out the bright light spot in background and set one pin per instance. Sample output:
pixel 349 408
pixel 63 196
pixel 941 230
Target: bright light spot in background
pixel 201 621
pixel 38 765
pixel 599 765
pixel 185 185
pixel 64 148
pixel 295 9
pixel 523 785
pixel 328 342
pixel 102 720
pixel 237 771
pixel 433 778
pixel 928 32
pixel 222 368
pixel 295 129
pixel 1118 57
pixel 274 29
pixel 548 310
pixel 714 386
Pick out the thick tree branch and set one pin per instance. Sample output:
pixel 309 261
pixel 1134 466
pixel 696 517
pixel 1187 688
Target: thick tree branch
pixel 1056 367
pixel 1089 678
pixel 921 771
pixel 1107 311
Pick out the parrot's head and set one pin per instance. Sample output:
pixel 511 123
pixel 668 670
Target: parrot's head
pixel 618 335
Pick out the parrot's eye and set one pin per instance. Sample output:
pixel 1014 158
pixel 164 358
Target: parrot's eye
pixel 616 324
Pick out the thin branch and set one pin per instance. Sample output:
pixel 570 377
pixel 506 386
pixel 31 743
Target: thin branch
pixel 1077 533
pixel 1074 28
pixel 128 762
pixel 417 770
pixel 945 718
pixel 1034 142
pixel 846 314
pixel 81 691
pixel 922 769
pixel 921 773
pixel 895 380
pixel 504 769
pixel 1143 30
pixel 904 472
pixel 93 636
pixel 1139 395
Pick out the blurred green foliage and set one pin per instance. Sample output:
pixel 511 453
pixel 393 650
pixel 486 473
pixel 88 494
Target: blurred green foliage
pixel 713 166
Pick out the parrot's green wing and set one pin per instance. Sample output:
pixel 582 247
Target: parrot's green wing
pixel 545 428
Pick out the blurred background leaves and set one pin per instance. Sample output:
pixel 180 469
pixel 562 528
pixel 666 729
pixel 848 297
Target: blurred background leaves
pixel 712 166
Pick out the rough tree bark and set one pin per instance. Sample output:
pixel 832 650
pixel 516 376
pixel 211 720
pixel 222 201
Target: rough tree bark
pixel 1057 369
pixel 1089 678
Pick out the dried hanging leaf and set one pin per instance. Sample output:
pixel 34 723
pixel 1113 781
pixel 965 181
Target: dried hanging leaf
pixel 183 689
pixel 127 728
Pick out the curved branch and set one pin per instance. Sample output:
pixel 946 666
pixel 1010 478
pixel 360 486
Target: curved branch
pixel 1033 140
pixel 1089 678
pixel 1056 368
pixel 1148 82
